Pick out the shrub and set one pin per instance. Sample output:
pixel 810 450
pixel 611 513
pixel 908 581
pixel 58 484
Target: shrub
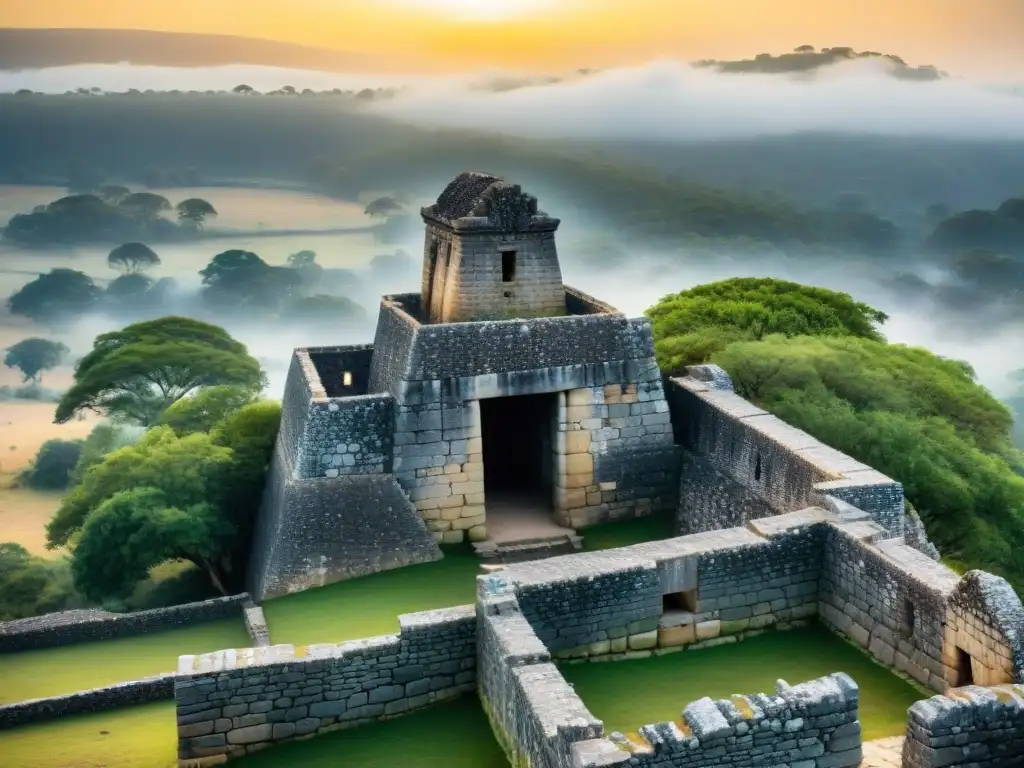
pixel 53 465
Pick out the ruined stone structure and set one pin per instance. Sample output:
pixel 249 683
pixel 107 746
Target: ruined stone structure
pixel 496 378
pixel 494 394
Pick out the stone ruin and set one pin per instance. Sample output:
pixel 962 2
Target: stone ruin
pixel 498 405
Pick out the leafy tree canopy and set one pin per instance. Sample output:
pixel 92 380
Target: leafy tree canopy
pixel 53 465
pixel 185 468
pixel 201 411
pixel 146 205
pixel 132 258
pixel 33 356
pixel 59 295
pixel 916 417
pixel 136 373
pixel 240 279
pixel 690 326
pixel 136 529
pixel 195 211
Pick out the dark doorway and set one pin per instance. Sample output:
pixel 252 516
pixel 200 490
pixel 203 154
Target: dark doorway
pixel 517 445
pixel 964 673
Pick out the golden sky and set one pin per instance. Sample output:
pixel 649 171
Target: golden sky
pixel 964 36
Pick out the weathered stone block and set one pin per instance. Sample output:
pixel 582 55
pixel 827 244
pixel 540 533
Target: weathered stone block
pixel 251 734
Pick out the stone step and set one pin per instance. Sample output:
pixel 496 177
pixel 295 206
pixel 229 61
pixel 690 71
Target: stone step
pixel 528 549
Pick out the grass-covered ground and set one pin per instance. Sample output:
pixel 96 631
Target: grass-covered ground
pixel 145 737
pixel 54 671
pixel 629 694
pixel 370 605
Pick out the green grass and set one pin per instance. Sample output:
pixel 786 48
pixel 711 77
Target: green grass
pixel 629 694
pixel 54 671
pixel 624 533
pixel 451 735
pixel 145 737
pixel 370 606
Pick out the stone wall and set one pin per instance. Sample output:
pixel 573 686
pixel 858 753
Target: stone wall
pixel 976 727
pixel 330 508
pixel 313 532
pixel 813 724
pixel 73 627
pixel 745 464
pixel 615 454
pixel 694 591
pixel 464 280
pixel 540 721
pixel 347 436
pixel 83 702
pixel 915 614
pixel 232 703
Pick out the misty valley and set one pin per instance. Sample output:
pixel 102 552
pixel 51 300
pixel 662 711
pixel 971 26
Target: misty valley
pixel 164 251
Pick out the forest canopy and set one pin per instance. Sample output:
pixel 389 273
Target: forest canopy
pixel 815 359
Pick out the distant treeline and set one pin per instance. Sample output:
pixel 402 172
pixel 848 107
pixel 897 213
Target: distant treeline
pixel 857 194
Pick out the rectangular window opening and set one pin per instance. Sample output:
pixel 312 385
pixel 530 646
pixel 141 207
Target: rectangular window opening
pixel 909 619
pixel 508 266
pixel 346 379
pixel 680 601
pixel 964 673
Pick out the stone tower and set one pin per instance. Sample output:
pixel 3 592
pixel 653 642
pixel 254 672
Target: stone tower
pixel 489 254
pixel 498 405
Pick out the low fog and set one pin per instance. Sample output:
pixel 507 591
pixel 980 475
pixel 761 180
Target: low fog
pixel 657 102
pixel 666 101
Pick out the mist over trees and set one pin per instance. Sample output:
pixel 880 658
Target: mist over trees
pixel 806 60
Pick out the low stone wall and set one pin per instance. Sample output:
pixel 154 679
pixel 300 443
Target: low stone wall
pixel 693 591
pixel 915 614
pixel 65 629
pixel 541 722
pixel 236 702
pixel 976 727
pixel 95 700
pixel 745 463
pixel 811 725
pixel 256 624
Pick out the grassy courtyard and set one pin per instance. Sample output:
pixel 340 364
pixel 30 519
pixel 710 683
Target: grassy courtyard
pixel 54 671
pixel 629 694
pixel 145 737
pixel 370 606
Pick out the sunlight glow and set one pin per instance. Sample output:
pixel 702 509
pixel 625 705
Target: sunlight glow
pixel 482 10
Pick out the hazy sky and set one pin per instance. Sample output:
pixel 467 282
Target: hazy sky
pixel 977 37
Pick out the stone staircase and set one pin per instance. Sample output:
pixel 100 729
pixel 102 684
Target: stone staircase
pixel 495 553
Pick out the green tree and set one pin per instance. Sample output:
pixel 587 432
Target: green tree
pixel 32 356
pixel 145 205
pixel 136 373
pixel 132 258
pixel 919 418
pixel 57 296
pixel 104 439
pixel 134 530
pixel 195 211
pixel 242 280
pixel 53 465
pixel 690 326
pixel 201 411
pixel 320 308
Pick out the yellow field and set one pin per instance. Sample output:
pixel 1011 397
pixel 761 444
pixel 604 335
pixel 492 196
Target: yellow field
pixel 26 425
pixel 24 514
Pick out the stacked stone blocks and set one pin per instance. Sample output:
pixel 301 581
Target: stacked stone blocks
pixel 973 727
pixel 742 463
pixel 238 702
